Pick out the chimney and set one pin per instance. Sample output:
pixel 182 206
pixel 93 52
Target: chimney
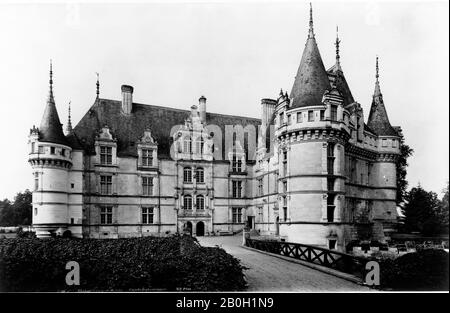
pixel 127 98
pixel 268 107
pixel 194 112
pixel 202 108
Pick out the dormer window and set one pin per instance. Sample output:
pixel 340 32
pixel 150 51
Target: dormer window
pixel 333 114
pixel 147 157
pixel 105 155
pixel 199 144
pixel 187 144
pixel 236 164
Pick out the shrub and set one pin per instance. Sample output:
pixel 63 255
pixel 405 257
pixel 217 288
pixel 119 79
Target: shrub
pixel 167 263
pixel 423 270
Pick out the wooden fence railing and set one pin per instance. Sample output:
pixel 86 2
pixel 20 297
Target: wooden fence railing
pixel 330 258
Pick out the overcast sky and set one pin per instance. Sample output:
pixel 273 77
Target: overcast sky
pixel 234 54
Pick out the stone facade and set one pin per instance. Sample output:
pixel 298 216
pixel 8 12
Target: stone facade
pixel 309 171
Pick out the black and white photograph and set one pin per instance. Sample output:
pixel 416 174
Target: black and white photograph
pixel 252 149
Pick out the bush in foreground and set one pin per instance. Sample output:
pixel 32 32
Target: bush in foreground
pixel 170 263
pixel 423 270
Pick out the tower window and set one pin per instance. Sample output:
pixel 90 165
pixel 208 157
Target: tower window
pixel 35 211
pixel 105 155
pixel 147 157
pixel 299 117
pixel 147 215
pixel 41 149
pixel 285 215
pixel 63 152
pixel 289 119
pixel 52 150
pixel 32 147
pixel 260 186
pixel 36 181
pixel 310 116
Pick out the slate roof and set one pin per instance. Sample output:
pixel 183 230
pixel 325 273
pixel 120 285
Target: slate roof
pixel 128 129
pixel 50 129
pixel 341 84
pixel 311 80
pixel 378 119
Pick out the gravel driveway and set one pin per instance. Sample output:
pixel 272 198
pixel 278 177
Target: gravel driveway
pixel 268 273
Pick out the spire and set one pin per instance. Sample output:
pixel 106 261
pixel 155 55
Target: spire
pixel 98 86
pixel 311 80
pixel 378 119
pixel 338 57
pixel 50 129
pixel 69 122
pixel 311 24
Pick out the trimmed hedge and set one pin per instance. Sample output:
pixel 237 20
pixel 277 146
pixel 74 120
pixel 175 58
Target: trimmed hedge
pixel 425 270
pixel 140 264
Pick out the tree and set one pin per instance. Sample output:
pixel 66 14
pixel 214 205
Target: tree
pixel 401 165
pixel 442 213
pixel 422 211
pixel 18 212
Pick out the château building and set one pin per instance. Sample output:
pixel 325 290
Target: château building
pixel 309 170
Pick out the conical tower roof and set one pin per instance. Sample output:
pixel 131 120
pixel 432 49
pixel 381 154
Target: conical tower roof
pixel 51 129
pixel 378 118
pixel 311 80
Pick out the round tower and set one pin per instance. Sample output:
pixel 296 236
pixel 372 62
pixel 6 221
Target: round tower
pixel 51 159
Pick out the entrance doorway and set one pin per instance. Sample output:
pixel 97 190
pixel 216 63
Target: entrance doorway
pixel 250 222
pixel 200 229
pixel 188 228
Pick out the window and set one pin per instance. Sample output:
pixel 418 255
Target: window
pixel 260 186
pixel 35 211
pixel 199 144
pixel 72 220
pixel 330 208
pixel 63 152
pixel 299 117
pixel 362 179
pixel 353 170
pixel 237 215
pixel 52 150
pixel 40 149
pixel 285 163
pixel 236 164
pixel 384 143
pixel 237 188
pixel 330 184
pixel 105 155
pixel 32 147
pixel 187 175
pixel 322 115
pixel 330 158
pixel 106 215
pixel 394 143
pixel 36 181
pixel 147 215
pixel 310 116
pixel 289 119
pixel 72 186
pixel 200 202
pixel 281 118
pixel 260 213
pixel 147 157
pixel 284 186
pixel 333 114
pixel 331 244
pixel 147 186
pixel 285 215
pixel 200 175
pixel 187 202
pixel 105 185
pixel 369 173
pixel 187 144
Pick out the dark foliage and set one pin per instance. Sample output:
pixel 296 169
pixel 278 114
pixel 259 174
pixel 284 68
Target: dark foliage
pixel 425 270
pixel 401 165
pixel 17 212
pixel 170 263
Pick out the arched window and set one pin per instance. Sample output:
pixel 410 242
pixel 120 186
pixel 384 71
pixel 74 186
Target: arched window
pixel 187 175
pixel 187 201
pixel 200 175
pixel 200 202
pixel 199 144
pixel 187 144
